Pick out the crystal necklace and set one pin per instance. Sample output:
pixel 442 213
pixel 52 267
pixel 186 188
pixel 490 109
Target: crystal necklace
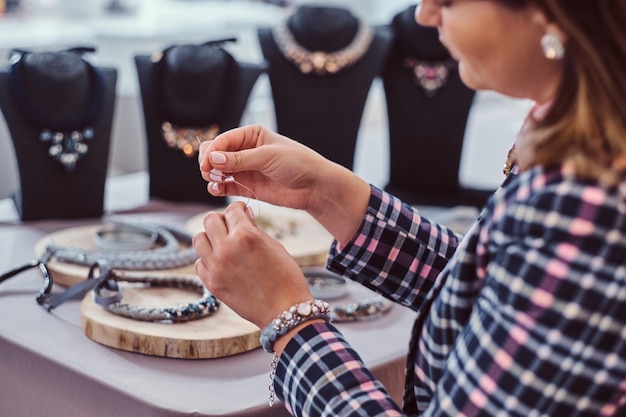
pixel 319 62
pixel 430 76
pixel 187 135
pixel 66 138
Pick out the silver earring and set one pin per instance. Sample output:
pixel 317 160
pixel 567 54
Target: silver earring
pixel 552 46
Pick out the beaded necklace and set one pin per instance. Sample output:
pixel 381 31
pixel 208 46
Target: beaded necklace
pixel 66 138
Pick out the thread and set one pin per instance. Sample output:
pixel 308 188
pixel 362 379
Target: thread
pixel 252 195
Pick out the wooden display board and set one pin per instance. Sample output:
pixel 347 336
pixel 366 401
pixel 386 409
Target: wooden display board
pixel 221 334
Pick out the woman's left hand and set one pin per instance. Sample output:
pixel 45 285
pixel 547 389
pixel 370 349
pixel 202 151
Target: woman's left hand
pixel 245 268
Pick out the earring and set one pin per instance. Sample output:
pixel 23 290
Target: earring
pixel 552 46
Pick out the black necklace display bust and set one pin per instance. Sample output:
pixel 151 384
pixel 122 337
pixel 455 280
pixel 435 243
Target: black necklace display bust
pixel 59 112
pixel 428 106
pixel 322 61
pixel 189 94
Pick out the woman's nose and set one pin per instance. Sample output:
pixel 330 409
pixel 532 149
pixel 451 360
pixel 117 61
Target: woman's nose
pixel 427 13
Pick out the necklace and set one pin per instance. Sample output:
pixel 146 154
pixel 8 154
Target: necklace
pixel 108 294
pixel 431 76
pixel 509 164
pixel 319 62
pixel 188 139
pixel 66 138
pixel 187 135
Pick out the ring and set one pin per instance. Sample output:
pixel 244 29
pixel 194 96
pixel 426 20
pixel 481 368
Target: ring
pixel 324 284
pixel 125 238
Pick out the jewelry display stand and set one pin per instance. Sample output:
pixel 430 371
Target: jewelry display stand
pixel 320 91
pixel 62 169
pixel 428 107
pixel 199 90
pixel 223 333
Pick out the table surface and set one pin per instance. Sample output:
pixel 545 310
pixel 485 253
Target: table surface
pixel 55 370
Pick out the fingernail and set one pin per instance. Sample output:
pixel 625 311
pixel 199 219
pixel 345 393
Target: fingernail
pixel 216 175
pixel 250 212
pixel 217 158
pixel 215 186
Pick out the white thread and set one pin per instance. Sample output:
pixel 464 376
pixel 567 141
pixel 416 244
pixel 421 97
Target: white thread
pixel 217 176
pixel 216 173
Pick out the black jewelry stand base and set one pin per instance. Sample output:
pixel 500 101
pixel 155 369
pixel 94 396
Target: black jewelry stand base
pixel 173 175
pixel 45 189
pixel 426 129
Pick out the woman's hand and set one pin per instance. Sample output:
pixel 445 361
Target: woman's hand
pixel 280 171
pixel 245 268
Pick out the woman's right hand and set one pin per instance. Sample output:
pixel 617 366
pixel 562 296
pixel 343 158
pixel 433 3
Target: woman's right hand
pixel 278 170
pixel 275 169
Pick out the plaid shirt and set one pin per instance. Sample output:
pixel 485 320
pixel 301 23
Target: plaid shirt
pixel 526 316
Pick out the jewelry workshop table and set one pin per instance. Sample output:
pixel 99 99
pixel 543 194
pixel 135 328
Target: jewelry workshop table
pixel 50 368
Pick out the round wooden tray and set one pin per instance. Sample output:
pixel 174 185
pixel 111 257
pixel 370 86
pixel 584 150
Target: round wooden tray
pixel 221 334
pixel 67 274
pixel 301 235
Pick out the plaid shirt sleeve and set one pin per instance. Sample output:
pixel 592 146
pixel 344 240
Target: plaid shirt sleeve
pixel 400 255
pixel 396 252
pixel 319 374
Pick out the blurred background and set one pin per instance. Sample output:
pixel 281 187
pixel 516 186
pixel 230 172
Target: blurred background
pixel 121 29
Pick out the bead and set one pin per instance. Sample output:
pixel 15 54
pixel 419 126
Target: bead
pixel 304 309
pixel 45 135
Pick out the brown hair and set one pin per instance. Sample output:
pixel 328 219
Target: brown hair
pixel 586 125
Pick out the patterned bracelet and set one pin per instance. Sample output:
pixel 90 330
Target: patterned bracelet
pixel 288 319
pixel 203 307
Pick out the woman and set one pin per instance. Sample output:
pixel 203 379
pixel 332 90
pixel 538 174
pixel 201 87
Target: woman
pixel 526 315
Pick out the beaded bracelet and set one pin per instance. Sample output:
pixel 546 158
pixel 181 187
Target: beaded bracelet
pixel 288 319
pixel 369 309
pixel 325 284
pixel 204 307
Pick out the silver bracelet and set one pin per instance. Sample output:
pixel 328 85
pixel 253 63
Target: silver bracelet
pixel 204 307
pixel 288 319
pixel 325 284
pixel 369 309
pixel 125 238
